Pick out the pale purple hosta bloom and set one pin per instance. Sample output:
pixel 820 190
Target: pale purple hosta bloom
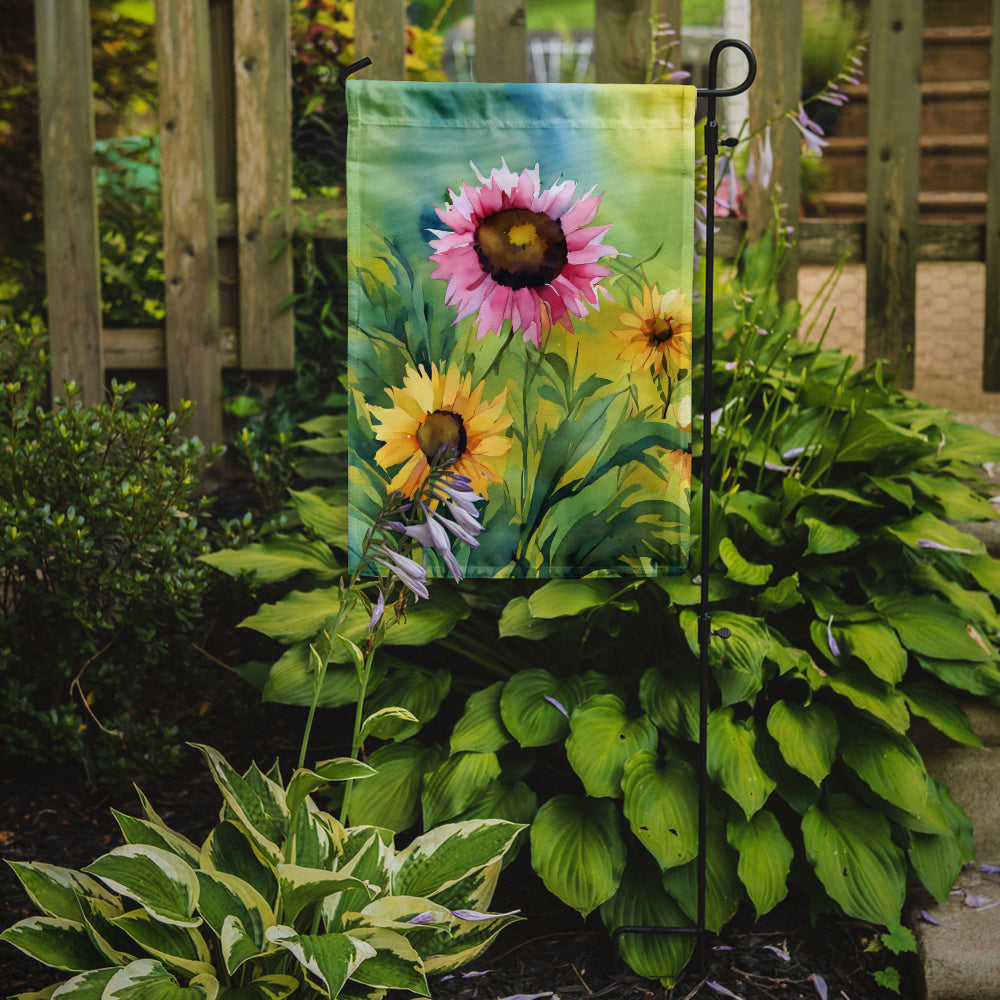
pixel 927 543
pixel 430 534
pixel 377 611
pixel 820 983
pixel 719 988
pixel 834 648
pixel 409 572
pixel 475 915
pixel 812 134
pixel 760 165
pixel 780 952
pixel 427 917
pixel 558 705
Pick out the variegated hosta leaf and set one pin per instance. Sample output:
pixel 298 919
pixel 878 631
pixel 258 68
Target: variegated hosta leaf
pixel 315 838
pixel 888 763
pixel 578 851
pixel 602 737
pixel 300 887
pixel 475 891
pixel 456 784
pixel 441 857
pixel 158 880
pixel 723 889
pixel 256 801
pixel 481 727
pixel 177 947
pixel 56 891
pixel 116 946
pixel 642 902
pixel 391 799
pixel 850 847
pixel 147 979
pixel 273 987
pixel 54 941
pixel 535 706
pixel 329 959
pixel 367 854
pixel 395 964
pixel 304 782
pixel 807 736
pixel 661 799
pixel 732 760
pixel 86 986
pixel 467 940
pixel 141 831
pixel 230 849
pixel 765 858
pixel 225 897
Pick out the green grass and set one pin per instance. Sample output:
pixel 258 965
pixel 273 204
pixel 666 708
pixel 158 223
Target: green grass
pixel 578 15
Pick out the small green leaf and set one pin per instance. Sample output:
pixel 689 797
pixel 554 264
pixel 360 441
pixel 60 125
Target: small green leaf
pixel 391 798
pixel 807 736
pixel 561 598
pixel 765 858
pixel 481 727
pixel 741 571
pixel 732 760
pixel 456 784
pixel 828 539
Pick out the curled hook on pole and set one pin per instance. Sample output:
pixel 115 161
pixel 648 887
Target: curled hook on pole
pixel 348 70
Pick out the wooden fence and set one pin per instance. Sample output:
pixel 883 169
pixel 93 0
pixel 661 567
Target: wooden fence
pixel 226 162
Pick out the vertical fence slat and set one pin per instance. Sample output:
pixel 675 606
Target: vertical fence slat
pixel 991 332
pixel 190 253
pixel 380 34
pixel 501 41
pixel 261 57
pixel 776 34
pixel 622 40
pixel 893 183
pixel 72 257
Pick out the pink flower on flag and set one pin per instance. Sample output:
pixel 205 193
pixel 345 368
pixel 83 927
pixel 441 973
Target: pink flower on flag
pixel 517 253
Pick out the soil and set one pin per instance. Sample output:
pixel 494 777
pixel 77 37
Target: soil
pixel 550 953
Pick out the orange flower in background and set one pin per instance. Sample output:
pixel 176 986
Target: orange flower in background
pixel 441 410
pixel 657 332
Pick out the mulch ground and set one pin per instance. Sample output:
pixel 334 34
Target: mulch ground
pixel 551 952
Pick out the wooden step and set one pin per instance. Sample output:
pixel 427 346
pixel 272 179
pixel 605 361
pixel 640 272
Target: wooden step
pixel 956 53
pixel 956 206
pixel 947 162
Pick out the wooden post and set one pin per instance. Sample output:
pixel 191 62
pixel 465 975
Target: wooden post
pixel 261 57
pixel 991 333
pixel 190 254
pixel 623 37
pixel 776 34
pixel 893 183
pixel 501 41
pixel 380 34
pixel 72 255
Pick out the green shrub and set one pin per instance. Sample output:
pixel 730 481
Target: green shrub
pixel 101 584
pixel 279 900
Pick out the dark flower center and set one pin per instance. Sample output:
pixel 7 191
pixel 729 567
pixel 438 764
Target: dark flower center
pixel 519 248
pixel 442 429
pixel 662 330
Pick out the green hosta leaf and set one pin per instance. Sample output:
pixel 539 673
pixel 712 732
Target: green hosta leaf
pixel 578 851
pixel 147 979
pixel 937 859
pixel 279 558
pixel 301 887
pixel 54 941
pixel 975 605
pixel 870 436
pixel 330 959
pixel 177 947
pixel 888 763
pixel 274 987
pixel 928 528
pixel 602 738
pixel 530 706
pixel 516 803
pixel 765 858
pixel 986 572
pixel 783 595
pixel 941 709
pixel 828 539
pixel 671 700
pixel 976 678
pixel 738 661
pixel 415 689
pixel 876 646
pixel 159 881
pixel 956 501
pixel 641 901
pixel 481 728
pixel 56 891
pixel 965 443
pixel 931 628
pixel 850 847
pixel 732 760
pixel 395 964
pixel 866 692
pixel 456 784
pixel 230 849
pixel 517 620
pixel 661 798
pixel 438 859
pixel 559 598
pixel 741 571
pixel 387 723
pixel 807 736
pixel 723 889
pixel 758 511
pixel 328 520
pixel 304 782
pixel 226 898
pixel 391 798
pixel 142 831
pixel 260 806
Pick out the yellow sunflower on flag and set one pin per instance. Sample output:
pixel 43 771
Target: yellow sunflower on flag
pixel 657 333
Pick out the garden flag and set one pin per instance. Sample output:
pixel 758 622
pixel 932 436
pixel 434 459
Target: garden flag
pixel 520 261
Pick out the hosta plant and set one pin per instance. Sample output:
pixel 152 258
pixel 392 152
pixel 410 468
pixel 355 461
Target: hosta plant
pixel 279 900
